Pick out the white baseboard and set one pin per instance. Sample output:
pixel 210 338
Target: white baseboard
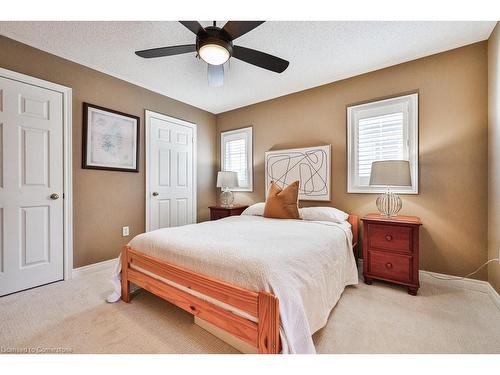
pixel 468 284
pixel 426 276
pixel 91 268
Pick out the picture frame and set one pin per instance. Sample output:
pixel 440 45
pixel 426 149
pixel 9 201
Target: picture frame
pixel 110 139
pixel 311 166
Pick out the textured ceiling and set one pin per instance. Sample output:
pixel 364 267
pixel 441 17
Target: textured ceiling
pixel 319 53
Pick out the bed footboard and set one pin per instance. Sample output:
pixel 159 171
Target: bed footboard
pixel 151 273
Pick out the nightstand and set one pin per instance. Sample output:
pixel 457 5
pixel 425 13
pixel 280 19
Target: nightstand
pixel 219 212
pixel 390 250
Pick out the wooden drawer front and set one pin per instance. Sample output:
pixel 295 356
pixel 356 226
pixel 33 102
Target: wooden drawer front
pixel 237 211
pixel 389 237
pixel 390 266
pixel 218 214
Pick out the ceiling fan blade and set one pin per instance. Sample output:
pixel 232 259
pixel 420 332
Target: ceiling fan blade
pixel 260 59
pixel 215 75
pixel 235 29
pixel 166 51
pixel 194 26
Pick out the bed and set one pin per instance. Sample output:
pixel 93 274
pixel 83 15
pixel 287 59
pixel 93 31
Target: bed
pixel 269 283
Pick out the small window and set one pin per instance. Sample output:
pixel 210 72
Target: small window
pixel 236 156
pixel 381 130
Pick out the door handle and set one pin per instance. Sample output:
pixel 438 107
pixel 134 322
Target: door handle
pixel 155 194
pixel 54 196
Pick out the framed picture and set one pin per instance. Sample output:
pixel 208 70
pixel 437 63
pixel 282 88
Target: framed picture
pixel 110 139
pixel 310 166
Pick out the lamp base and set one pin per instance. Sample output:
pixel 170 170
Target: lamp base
pixel 226 198
pixel 389 204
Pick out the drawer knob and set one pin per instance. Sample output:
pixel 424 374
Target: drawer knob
pixel 388 265
pixel 388 237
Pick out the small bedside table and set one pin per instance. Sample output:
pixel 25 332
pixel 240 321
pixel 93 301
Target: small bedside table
pixel 218 212
pixel 390 250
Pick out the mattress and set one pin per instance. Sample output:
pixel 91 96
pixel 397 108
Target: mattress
pixel 306 264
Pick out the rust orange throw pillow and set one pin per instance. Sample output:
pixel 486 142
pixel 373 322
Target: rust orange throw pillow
pixel 282 203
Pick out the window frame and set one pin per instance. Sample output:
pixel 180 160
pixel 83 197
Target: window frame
pixel 247 133
pixel 409 104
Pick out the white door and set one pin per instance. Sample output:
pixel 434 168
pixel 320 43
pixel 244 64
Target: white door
pixel 170 170
pixel 31 186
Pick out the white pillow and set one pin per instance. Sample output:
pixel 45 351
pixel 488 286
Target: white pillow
pixel 256 209
pixel 323 214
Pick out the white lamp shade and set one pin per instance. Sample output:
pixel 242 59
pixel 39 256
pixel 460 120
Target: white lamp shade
pixel 391 173
pixel 227 179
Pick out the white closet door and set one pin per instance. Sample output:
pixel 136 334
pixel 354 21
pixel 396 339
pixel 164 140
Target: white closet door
pixel 171 172
pixel 31 186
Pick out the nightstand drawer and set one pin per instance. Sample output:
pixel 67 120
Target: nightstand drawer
pixel 390 237
pixel 390 266
pixel 219 214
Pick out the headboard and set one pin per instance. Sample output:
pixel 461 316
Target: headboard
pixel 354 221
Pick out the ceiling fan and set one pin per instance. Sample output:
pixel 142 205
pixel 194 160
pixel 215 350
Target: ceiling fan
pixel 215 46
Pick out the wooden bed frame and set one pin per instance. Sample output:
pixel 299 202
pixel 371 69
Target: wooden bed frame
pixel 263 334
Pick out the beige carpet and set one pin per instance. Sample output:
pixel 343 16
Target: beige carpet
pixel 368 319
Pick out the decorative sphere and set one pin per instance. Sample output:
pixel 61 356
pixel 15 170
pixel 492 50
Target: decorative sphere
pixel 389 204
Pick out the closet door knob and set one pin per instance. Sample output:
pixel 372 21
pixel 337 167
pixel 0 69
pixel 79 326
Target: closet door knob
pixel 155 194
pixel 54 196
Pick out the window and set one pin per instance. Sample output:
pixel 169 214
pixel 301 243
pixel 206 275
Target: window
pixel 236 156
pixel 381 130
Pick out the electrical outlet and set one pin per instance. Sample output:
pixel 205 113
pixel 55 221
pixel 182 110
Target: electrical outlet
pixel 125 231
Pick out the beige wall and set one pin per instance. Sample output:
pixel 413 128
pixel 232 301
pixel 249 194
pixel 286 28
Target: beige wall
pixel 494 156
pixel 453 147
pixel 104 201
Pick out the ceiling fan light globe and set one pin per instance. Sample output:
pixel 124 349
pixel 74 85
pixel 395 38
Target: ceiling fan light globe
pixel 214 54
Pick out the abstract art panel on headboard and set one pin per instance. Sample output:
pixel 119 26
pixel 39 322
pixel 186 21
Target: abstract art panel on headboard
pixel 309 165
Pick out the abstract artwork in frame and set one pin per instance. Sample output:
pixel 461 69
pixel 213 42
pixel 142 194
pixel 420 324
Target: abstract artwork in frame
pixel 110 139
pixel 310 166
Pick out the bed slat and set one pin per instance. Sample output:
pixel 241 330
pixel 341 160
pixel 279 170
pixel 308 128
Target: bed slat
pixel 240 327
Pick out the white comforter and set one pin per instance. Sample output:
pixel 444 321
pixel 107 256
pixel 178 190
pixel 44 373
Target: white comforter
pixel 306 264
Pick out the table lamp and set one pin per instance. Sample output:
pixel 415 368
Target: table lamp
pixel 390 173
pixel 227 180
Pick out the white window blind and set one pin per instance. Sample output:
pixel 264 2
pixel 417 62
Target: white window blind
pixel 380 138
pixel 236 159
pixel 236 156
pixel 382 130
